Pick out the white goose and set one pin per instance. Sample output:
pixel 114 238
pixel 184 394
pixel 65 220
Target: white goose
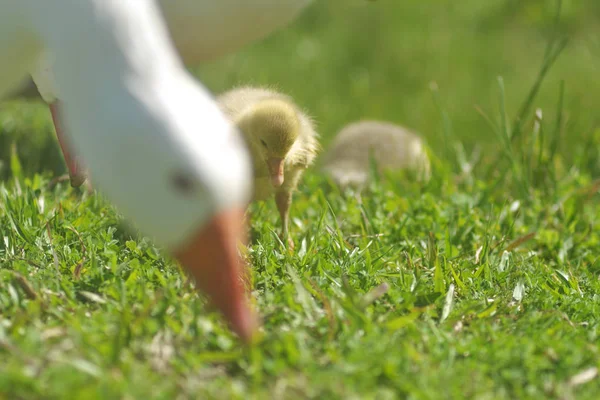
pixel 200 29
pixel 153 139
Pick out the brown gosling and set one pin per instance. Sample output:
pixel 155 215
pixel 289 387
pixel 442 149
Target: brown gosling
pixel 393 147
pixel 282 140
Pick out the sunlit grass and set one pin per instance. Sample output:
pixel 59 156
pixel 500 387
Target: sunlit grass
pixel 483 283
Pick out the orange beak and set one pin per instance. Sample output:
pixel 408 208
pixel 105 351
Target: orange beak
pixel 276 171
pixel 211 258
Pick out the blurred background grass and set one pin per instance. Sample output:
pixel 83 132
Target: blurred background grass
pixel 345 60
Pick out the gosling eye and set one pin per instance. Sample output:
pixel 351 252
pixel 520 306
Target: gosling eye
pixel 263 143
pixel 183 183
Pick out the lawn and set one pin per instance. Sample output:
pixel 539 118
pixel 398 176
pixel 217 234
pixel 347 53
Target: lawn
pixel 482 284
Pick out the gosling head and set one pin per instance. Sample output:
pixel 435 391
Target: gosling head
pixel 271 127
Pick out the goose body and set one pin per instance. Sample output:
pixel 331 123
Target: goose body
pixel 205 29
pixel 282 140
pixel 393 147
pixel 155 142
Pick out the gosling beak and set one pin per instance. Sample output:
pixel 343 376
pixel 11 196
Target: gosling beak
pixel 211 258
pixel 276 171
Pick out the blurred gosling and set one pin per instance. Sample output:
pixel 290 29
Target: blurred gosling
pixel 282 141
pixel 393 147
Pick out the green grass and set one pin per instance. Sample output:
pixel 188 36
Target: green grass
pixel 483 283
